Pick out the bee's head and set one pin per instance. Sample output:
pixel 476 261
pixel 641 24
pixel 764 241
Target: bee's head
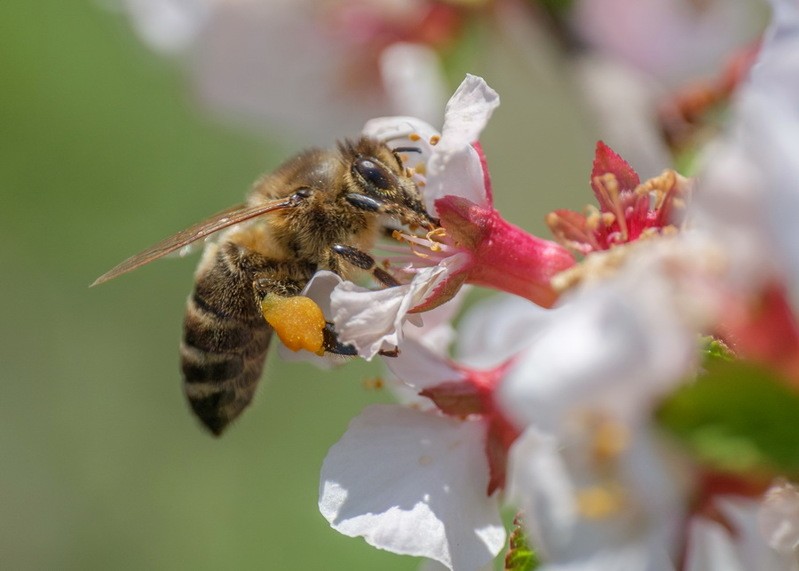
pixel 379 182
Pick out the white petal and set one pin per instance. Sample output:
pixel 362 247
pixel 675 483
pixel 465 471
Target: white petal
pixel 728 205
pixel 693 39
pixel 402 132
pixel 430 565
pixel 457 172
pixel 748 191
pixel 437 332
pixel 612 347
pixel 241 68
pixel 779 517
pixel 632 557
pixel 498 328
pixel 753 549
pixel 372 320
pixel 413 483
pixel 467 113
pixel 545 476
pixel 414 80
pixel 711 548
pixel 419 367
pixel 538 481
pixel 455 167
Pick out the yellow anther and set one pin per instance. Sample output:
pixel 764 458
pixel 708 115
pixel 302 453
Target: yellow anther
pixel 421 168
pixel 297 320
pixel 374 384
pixel 597 502
pixel 608 188
pixel 437 235
pixel 658 186
pixel 435 139
pixel 593 217
pixel 414 137
pixel 610 440
pixel 608 218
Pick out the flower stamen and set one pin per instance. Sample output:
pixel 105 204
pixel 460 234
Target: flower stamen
pixel 600 502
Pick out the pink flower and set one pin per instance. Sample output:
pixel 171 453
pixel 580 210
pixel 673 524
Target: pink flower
pixel 474 244
pixel 628 209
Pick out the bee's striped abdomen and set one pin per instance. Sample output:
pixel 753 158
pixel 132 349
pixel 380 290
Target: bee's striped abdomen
pixel 225 340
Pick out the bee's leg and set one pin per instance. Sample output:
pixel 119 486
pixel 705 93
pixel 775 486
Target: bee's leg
pixel 362 260
pixel 333 345
pixel 296 319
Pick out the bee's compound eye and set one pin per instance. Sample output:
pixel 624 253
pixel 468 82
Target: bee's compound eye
pixel 299 196
pixel 373 173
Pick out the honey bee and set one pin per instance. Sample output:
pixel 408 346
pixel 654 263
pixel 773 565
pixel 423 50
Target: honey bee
pixel 322 209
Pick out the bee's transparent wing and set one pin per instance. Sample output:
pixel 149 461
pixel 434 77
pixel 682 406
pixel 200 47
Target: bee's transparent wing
pixel 215 223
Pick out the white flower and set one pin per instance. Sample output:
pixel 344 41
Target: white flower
pixel 414 483
pixel 474 243
pixel 591 478
pixel 169 26
pixel 748 191
pixel 452 166
pixel 423 449
pixel 371 320
pixel 779 518
pixel 739 546
pixel 692 38
pixel 612 346
pixel 596 497
pixel 300 66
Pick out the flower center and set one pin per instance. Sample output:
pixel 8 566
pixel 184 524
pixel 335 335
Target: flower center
pixel 599 502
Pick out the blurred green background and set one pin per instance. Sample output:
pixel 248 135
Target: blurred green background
pixel 102 153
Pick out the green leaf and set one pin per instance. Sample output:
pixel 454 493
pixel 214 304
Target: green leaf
pixel 715 349
pixel 738 417
pixel 520 556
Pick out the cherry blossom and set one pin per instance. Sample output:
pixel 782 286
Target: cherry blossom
pixel 474 244
pixel 746 196
pixel 628 209
pixel 734 543
pixel 583 391
pixel 433 471
pixel 778 518
pixel 414 483
pixel 597 496
pixel 439 500
pixel 296 66
pixel 694 38
pixel 628 80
